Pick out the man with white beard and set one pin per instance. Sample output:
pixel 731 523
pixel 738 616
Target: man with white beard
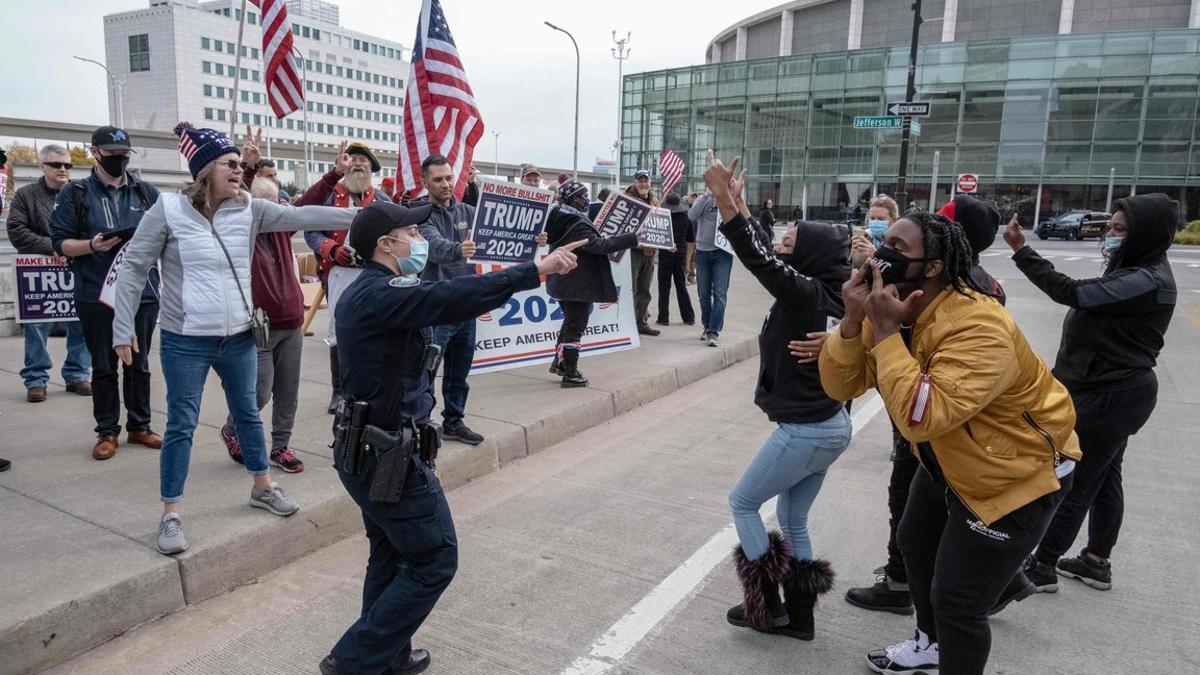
pixel 336 262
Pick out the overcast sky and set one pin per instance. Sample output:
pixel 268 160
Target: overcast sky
pixel 522 72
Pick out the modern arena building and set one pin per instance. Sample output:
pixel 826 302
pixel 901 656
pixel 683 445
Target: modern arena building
pixel 1034 97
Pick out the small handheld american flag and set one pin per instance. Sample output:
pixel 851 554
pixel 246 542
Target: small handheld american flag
pixel 670 169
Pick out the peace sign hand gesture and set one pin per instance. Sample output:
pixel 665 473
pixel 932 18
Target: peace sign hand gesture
pixel 250 151
pixel 343 160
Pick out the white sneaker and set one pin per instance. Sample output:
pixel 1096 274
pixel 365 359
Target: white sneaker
pixel 915 656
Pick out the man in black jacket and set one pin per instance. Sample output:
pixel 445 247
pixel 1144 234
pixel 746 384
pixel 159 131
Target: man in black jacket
pixel 591 282
pixel 29 232
pixel 672 265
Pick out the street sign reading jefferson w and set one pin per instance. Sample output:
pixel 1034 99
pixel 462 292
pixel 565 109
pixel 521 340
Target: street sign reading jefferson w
pixel 878 122
pixel 908 109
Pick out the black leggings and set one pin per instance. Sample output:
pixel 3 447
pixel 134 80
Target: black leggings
pixel 575 320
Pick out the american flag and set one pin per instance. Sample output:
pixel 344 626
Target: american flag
pixel 440 116
pixel 670 168
pixel 282 75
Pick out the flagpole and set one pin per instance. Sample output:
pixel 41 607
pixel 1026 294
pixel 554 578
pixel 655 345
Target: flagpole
pixel 237 69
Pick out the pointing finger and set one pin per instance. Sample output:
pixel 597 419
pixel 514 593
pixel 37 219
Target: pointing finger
pixel 733 164
pixel 572 246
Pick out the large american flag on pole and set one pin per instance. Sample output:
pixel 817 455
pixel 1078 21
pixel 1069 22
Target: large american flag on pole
pixel 670 169
pixel 440 116
pixel 284 91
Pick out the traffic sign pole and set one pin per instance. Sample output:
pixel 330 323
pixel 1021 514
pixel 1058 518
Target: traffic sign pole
pixel 902 174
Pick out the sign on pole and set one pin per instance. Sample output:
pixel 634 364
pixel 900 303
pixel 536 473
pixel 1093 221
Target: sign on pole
pixel 908 108
pixel 45 289
pixel 657 231
pixel 878 122
pixel 620 214
pixel 508 219
pixel 967 183
pixel 525 330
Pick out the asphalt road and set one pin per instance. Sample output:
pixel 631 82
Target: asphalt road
pixel 609 553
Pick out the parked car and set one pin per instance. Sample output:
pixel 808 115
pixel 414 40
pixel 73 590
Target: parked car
pixel 1074 225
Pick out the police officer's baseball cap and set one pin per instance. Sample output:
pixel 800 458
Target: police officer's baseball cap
pixel 378 219
pixel 110 138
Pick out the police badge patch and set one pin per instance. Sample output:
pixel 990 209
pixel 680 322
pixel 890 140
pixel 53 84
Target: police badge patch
pixel 404 282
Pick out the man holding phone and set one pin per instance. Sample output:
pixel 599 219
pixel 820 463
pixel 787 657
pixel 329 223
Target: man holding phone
pixel 92 218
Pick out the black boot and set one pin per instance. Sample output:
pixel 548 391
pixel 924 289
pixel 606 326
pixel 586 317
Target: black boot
pixel 335 379
pixel 807 579
pixel 568 367
pixel 761 607
pixel 886 595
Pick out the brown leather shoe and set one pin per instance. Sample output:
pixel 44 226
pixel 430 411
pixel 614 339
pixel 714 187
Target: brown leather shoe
pixel 83 388
pixel 35 394
pixel 147 438
pixel 106 447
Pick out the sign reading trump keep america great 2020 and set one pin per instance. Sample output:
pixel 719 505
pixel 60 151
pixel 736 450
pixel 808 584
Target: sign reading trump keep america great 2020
pixel 621 214
pixel 508 220
pixel 45 289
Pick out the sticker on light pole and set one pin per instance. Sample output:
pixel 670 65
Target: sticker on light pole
pixel 967 183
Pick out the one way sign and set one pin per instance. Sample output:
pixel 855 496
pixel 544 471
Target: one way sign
pixel 908 109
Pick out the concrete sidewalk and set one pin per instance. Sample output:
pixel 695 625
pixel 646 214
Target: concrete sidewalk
pixel 78 557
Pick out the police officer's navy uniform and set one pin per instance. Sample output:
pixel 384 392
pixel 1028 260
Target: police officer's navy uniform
pixel 383 328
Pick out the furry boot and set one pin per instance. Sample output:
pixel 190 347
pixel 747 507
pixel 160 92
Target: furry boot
pixel 761 607
pixel 805 581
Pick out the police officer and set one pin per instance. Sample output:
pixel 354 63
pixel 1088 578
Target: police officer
pixel 383 444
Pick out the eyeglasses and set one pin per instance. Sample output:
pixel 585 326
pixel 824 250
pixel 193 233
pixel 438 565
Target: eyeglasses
pixel 233 164
pixel 59 165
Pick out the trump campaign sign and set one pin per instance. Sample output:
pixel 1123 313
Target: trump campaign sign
pixel 508 219
pixel 45 289
pixel 620 214
pixel 525 330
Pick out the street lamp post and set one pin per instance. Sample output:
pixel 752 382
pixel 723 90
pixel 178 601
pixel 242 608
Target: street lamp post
pixel 575 160
pixel 909 93
pixel 496 164
pixel 118 88
pixel 304 110
pixel 620 53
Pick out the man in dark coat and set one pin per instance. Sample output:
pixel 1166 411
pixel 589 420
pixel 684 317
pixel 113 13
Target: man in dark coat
pixel 672 264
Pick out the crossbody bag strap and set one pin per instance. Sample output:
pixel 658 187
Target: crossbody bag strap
pixel 232 268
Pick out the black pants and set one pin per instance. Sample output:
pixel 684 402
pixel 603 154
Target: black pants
pixel 957 567
pixel 414 556
pixel 96 320
pixel 904 467
pixel 671 268
pixel 1104 421
pixel 575 320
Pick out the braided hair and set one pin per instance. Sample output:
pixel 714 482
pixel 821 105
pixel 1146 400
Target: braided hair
pixel 945 240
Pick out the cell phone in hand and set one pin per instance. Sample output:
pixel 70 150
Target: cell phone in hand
pixel 124 234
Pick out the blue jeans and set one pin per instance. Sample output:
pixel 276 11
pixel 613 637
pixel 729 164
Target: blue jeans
pixel 791 464
pixel 712 283
pixel 457 341
pixel 186 360
pixel 77 367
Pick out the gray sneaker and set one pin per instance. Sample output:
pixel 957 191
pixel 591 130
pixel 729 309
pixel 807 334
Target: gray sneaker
pixel 712 340
pixel 170 534
pixel 274 500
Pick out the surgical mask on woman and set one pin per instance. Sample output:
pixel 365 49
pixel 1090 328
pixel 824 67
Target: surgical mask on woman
pixel 877 228
pixel 1112 244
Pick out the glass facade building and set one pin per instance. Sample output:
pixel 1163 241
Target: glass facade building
pixel 1053 115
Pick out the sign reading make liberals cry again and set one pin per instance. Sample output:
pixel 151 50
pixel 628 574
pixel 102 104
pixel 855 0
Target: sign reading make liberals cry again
pixel 45 289
pixel 508 220
pixel 620 214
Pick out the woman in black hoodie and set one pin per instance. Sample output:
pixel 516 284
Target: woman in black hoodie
pixel 1110 342
pixel 591 281
pixel 804 273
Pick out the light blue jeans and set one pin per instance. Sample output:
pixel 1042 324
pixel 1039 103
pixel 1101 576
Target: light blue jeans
pixel 791 464
pixel 186 360
pixel 712 284
pixel 76 368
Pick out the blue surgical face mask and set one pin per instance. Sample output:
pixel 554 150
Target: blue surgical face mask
pixel 877 228
pixel 1112 244
pixel 418 255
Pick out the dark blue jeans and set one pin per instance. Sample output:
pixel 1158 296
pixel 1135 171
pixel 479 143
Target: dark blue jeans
pixel 186 360
pixel 712 283
pixel 414 556
pixel 457 341
pixel 77 367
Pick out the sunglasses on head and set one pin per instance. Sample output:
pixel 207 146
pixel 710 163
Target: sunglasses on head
pixel 59 165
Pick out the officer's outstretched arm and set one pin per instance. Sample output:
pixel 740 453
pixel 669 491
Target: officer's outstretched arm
pixel 440 302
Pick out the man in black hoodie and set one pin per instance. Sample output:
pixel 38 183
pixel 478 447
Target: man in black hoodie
pixel 1110 343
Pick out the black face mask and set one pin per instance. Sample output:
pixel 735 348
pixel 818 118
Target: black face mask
pixel 894 265
pixel 114 165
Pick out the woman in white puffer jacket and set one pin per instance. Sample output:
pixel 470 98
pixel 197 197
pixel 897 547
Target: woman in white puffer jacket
pixel 204 236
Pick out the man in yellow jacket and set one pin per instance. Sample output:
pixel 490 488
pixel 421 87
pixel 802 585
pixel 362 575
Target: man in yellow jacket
pixel 991 426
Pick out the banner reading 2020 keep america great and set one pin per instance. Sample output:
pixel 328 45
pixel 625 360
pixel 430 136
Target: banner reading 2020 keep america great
pixel 525 330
